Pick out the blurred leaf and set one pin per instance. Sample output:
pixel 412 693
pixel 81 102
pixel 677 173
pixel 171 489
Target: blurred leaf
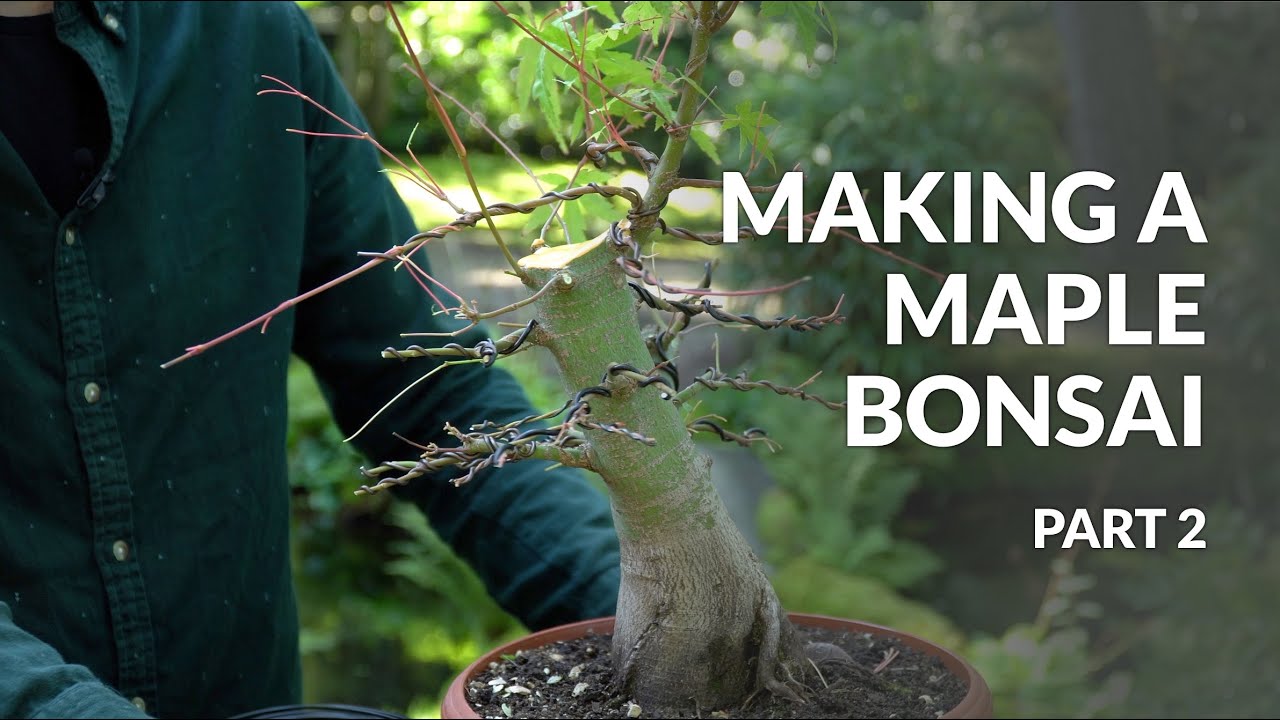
pixel 530 64
pixel 605 8
pixel 547 93
pixel 705 143
pixel 808 19
pixel 647 16
pixel 806 586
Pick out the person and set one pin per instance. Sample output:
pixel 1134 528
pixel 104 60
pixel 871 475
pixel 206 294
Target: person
pixel 150 199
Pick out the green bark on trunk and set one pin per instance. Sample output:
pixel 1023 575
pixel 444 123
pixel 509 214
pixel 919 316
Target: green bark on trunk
pixel 697 620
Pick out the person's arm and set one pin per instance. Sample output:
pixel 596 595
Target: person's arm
pixel 35 682
pixel 543 542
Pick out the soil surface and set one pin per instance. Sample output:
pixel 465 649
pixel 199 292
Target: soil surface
pixel 574 680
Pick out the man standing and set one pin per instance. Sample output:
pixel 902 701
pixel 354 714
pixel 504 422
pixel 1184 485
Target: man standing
pixel 149 200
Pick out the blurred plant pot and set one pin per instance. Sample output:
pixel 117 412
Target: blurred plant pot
pixel 291 712
pixel 975 704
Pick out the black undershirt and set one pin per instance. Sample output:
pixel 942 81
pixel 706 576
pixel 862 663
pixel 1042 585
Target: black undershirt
pixel 51 109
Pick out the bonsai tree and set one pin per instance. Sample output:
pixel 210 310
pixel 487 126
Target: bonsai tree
pixel 697 619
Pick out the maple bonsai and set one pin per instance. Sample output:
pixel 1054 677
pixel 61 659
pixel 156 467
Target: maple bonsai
pixel 697 618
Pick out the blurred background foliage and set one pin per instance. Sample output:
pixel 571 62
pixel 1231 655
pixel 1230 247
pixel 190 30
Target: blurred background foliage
pixel 909 536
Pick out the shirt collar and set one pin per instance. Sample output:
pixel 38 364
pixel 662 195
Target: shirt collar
pixel 107 15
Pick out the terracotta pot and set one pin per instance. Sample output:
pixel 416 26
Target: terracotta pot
pixel 976 703
pixel 330 711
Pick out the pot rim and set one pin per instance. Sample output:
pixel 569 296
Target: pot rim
pixel 976 703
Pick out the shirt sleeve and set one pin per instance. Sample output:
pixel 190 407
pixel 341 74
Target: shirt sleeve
pixel 542 541
pixel 35 682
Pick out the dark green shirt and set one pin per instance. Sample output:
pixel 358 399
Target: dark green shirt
pixel 144 513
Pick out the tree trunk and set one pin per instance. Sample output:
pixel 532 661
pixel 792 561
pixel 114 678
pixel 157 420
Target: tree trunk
pixel 697 621
pixel 1118 125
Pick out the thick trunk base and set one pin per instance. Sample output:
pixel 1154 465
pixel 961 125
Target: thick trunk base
pixel 700 627
pixel 698 624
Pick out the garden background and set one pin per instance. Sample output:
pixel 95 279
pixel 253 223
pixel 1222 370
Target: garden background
pixel 930 541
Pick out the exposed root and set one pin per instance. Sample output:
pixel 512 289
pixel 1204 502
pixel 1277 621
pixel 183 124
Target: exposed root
pixel 824 654
pixel 635 649
pixel 820 677
pixel 770 644
pixel 818 652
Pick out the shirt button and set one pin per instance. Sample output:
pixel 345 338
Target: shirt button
pixel 92 393
pixel 139 703
pixel 112 24
pixel 120 550
pixel 69 237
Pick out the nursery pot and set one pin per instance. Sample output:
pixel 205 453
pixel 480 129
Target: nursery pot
pixel 975 704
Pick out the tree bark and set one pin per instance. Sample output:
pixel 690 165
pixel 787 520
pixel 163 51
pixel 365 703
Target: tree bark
pixel 697 621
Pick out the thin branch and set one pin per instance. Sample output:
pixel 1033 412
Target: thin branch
pixel 715 380
pixel 596 152
pixel 633 268
pixel 679 321
pixel 266 318
pixel 555 211
pixel 398 252
pixel 622 236
pixel 408 147
pixel 717 184
pixel 588 109
pixel 662 54
pixel 792 322
pixel 723 14
pixel 407 176
pixel 477 317
pixel 487 351
pixel 417 273
pixel 507 149
pixel 663 175
pixel 458 145
pixel 475 117
pixel 653 377
pixel 617 429
pixel 402 393
pixel 746 438
pixel 711 238
pixel 875 247
pixel 356 134
pixel 474 455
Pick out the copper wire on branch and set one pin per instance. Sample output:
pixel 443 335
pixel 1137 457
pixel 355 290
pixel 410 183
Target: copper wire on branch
pixel 597 153
pixel 477 451
pixel 713 379
pixel 618 429
pixel 487 350
pixel 491 425
pixel 499 209
pixel 746 438
pixel 679 321
pixel 646 379
pixel 580 409
pixel 711 238
pixel 659 353
pixel 793 322
pixel 400 252
pixel 633 267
